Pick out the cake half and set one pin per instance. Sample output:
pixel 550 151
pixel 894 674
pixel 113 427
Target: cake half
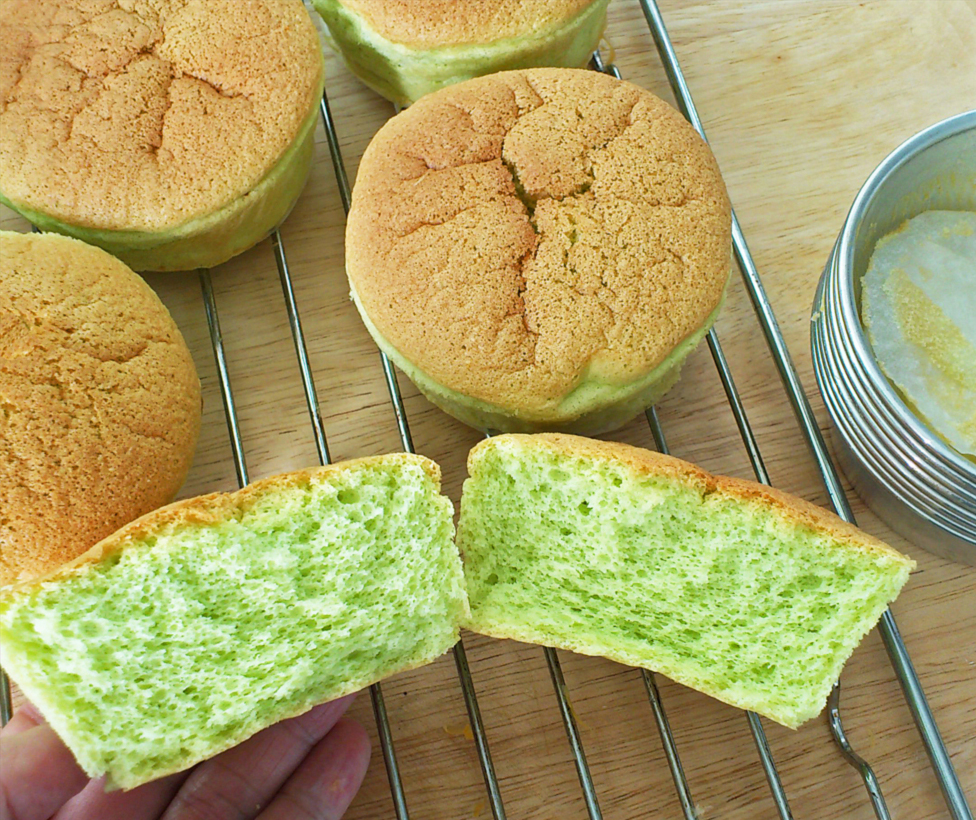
pixel 730 587
pixel 200 624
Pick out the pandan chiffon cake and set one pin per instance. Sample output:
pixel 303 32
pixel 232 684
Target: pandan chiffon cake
pixel 733 588
pixel 173 134
pixel 540 249
pixel 200 624
pixel 407 49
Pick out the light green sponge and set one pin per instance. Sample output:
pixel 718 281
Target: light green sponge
pixel 200 624
pixel 737 590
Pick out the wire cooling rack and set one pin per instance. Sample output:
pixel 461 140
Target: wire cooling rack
pixel 914 696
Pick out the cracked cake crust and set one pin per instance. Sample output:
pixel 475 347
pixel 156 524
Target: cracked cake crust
pixel 99 401
pixel 519 235
pixel 142 116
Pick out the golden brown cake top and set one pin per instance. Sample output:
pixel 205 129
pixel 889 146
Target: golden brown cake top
pixel 433 23
pixel 118 114
pixel 99 401
pixel 515 234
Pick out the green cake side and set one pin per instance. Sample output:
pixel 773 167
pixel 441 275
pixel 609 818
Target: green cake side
pixel 592 408
pixel 733 589
pixel 403 73
pixel 198 625
pixel 211 239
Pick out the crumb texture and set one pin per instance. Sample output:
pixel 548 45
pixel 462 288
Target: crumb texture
pixel 433 23
pixel 131 115
pixel 99 401
pixel 516 235
pixel 649 561
pixel 205 622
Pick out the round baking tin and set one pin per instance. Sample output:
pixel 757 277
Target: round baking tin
pixel 906 474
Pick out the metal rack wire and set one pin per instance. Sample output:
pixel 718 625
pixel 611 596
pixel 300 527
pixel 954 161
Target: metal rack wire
pixel 914 696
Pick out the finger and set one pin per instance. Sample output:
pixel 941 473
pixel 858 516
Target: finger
pixel 37 774
pixel 326 782
pixel 239 782
pixel 144 803
pixel 26 717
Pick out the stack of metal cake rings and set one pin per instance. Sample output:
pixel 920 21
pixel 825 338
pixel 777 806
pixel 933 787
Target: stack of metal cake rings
pixel 913 480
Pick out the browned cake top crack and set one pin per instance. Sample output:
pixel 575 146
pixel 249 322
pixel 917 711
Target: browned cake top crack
pixel 520 233
pixel 144 114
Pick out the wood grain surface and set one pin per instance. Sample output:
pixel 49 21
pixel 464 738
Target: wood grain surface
pixel 801 99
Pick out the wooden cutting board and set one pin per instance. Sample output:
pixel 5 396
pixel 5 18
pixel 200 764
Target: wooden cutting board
pixel 801 99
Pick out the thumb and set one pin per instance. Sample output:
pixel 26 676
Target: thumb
pixel 37 774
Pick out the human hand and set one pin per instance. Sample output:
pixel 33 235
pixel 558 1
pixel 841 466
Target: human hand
pixel 305 768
